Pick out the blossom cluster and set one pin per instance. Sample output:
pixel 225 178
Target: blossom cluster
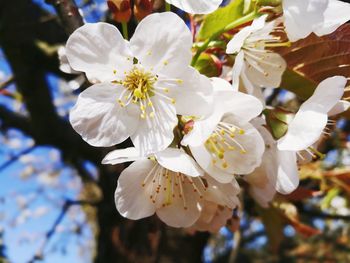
pixel 196 137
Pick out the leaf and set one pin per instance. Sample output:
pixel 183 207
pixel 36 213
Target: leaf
pixel 209 65
pixel 217 20
pixel 314 59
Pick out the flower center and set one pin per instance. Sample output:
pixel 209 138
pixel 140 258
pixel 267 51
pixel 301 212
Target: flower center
pixel 223 140
pixel 140 83
pixel 140 86
pixel 165 186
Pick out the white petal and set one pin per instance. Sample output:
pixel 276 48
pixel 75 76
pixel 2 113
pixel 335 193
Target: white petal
pixel 328 93
pixel 204 159
pixel 121 156
pixel 266 69
pixel 175 214
pixel 336 14
pixel 301 16
pixel 262 182
pixel 178 161
pixel 193 95
pixel 155 134
pixel 162 42
pixel 237 69
pixel 224 194
pixel 288 178
pixel 236 43
pixel 340 107
pixel 131 198
pixel 64 64
pixel 196 6
pixel 245 107
pixel 213 217
pixel 253 145
pixel 309 122
pixel 99 119
pixel 98 49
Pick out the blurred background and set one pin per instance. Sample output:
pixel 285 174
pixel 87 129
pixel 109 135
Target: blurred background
pixel 56 200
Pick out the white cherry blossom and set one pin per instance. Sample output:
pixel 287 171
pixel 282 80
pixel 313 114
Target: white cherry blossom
pixel 213 217
pixel 262 181
pixel 255 66
pixel 142 84
pixel 225 143
pixel 171 185
pixel 322 17
pixel 196 6
pixel 306 128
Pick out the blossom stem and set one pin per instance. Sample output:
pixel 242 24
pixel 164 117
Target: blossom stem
pixel 167 7
pixel 125 30
pixel 247 18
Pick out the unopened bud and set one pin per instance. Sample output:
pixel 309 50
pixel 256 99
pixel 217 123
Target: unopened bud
pixel 188 127
pixel 142 8
pixel 121 10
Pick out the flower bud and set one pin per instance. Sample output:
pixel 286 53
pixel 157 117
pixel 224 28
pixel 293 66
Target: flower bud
pixel 121 10
pixel 143 8
pixel 209 65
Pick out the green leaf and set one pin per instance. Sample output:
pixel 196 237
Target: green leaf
pixel 298 84
pixel 217 21
pixel 206 64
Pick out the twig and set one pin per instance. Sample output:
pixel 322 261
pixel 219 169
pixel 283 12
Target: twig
pixel 236 243
pixel 6 83
pixel 68 13
pixel 15 158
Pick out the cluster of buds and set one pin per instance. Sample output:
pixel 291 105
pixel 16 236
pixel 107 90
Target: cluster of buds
pixel 123 10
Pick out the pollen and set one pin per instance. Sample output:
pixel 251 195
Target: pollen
pixel 223 141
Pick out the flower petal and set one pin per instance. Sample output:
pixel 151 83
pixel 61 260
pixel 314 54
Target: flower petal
pixel 162 42
pixel 182 212
pixel 204 159
pixel 99 119
pixel 301 17
pixel 121 156
pixel 266 69
pixel 336 14
pixel 287 178
pixel 237 70
pixel 196 6
pixel 154 134
pixel 193 95
pixel 236 43
pixel 340 107
pixel 131 198
pixel 309 122
pixel 213 218
pixel 253 147
pixel 224 194
pixel 98 49
pixel 245 107
pixel 262 182
pixel 178 161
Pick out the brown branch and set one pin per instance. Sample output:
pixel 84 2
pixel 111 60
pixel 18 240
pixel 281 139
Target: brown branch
pixel 68 13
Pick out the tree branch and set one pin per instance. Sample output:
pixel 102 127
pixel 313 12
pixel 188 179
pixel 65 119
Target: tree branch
pixel 68 13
